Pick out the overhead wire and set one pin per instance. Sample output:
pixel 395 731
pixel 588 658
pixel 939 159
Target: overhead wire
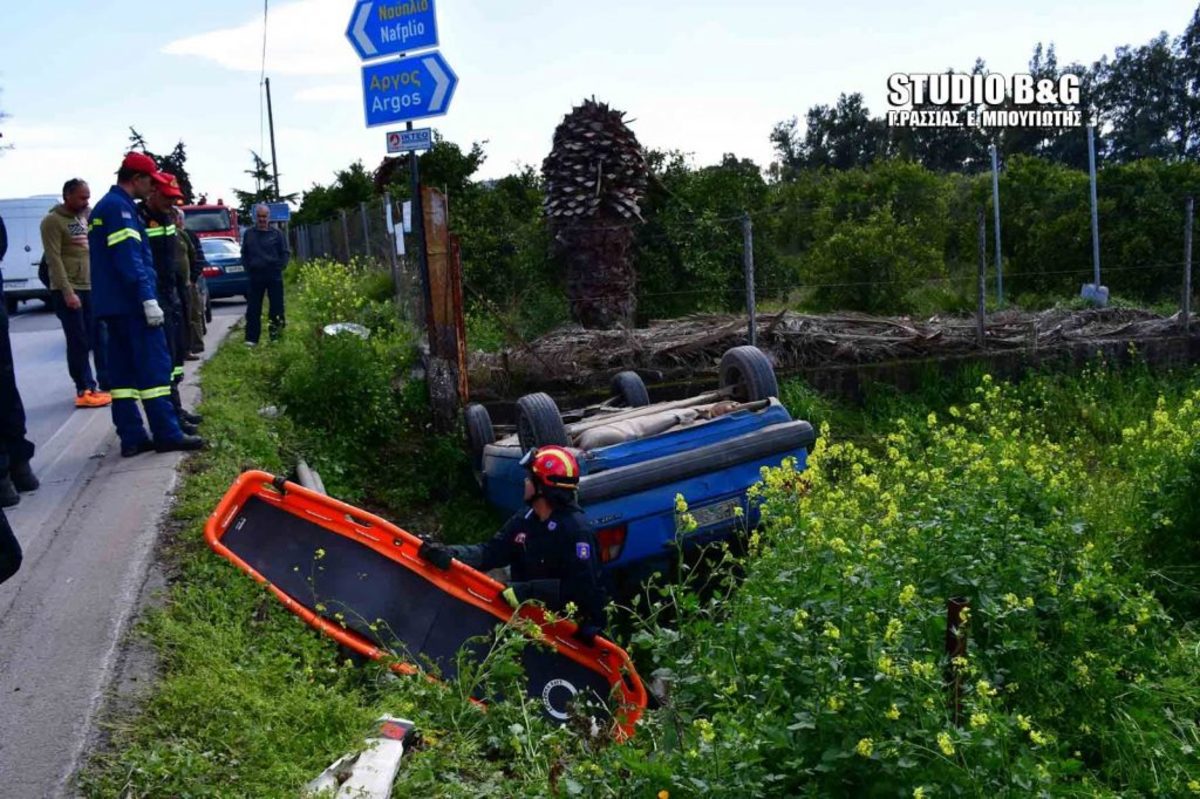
pixel 262 81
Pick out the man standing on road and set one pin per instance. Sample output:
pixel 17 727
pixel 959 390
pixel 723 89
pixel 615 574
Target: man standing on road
pixel 187 255
pixel 264 254
pixel 65 242
pixel 123 283
pixel 15 450
pixel 159 220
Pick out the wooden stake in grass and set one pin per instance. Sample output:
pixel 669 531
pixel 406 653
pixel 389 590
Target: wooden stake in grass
pixel 957 618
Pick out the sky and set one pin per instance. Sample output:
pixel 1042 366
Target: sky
pixel 706 77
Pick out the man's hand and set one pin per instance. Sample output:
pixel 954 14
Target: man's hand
pixel 436 554
pixel 72 300
pixel 154 314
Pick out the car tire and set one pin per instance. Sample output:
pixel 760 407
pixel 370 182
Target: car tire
pixel 747 373
pixel 480 433
pixel 629 388
pixel 539 423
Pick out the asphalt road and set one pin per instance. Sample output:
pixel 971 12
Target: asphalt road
pixel 88 534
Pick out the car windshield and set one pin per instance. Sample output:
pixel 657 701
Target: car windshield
pixel 206 220
pixel 220 248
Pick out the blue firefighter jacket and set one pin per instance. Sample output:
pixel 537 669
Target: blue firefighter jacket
pixel 122 267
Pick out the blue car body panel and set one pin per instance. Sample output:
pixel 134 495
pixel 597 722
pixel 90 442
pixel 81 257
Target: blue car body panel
pixel 652 540
pixel 227 284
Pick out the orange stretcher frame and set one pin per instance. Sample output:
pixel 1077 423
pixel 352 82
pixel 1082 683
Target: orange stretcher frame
pixel 461 581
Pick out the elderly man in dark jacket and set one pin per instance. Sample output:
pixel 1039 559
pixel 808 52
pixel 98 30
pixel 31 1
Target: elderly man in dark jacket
pixel 264 255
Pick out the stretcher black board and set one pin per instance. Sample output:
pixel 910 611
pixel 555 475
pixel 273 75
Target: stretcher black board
pixel 412 616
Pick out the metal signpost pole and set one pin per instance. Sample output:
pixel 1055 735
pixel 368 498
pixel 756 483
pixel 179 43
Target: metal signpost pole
pixel 996 207
pixel 981 308
pixel 1095 216
pixel 271 125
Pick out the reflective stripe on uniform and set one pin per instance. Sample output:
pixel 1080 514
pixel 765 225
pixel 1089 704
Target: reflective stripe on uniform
pixel 155 393
pixel 155 232
pixel 177 372
pixel 169 230
pixel 124 233
pixel 133 393
pixel 96 222
pixel 124 393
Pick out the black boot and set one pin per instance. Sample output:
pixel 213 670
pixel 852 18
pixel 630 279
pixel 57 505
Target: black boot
pixel 137 449
pixel 8 493
pixel 185 444
pixel 190 418
pixel 23 478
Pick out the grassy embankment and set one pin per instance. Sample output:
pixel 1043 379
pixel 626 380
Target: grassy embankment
pixel 1062 510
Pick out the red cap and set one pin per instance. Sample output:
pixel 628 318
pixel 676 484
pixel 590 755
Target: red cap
pixel 140 162
pixel 168 185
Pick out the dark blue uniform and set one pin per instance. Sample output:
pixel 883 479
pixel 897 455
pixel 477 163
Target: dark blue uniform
pixel 139 363
pixel 555 561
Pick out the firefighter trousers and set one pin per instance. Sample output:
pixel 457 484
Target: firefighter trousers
pixel 139 367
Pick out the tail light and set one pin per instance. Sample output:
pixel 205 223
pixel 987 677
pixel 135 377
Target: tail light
pixel 212 271
pixel 611 541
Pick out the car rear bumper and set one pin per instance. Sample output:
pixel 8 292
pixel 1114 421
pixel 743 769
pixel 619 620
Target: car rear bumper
pixel 227 285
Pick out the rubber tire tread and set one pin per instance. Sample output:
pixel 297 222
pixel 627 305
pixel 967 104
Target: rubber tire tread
pixel 480 432
pixel 539 422
pixel 630 389
pixel 754 368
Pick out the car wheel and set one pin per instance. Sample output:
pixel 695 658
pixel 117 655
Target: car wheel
pixel 539 423
pixel 630 390
pixel 480 433
pixel 748 375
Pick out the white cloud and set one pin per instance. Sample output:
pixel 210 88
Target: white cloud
pixel 337 92
pixel 303 38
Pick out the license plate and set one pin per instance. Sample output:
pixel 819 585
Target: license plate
pixel 229 270
pixel 709 515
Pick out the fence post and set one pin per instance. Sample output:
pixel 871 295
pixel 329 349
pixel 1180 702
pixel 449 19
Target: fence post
pixel 346 235
pixel 981 303
pixel 748 263
pixel 392 232
pixel 1187 267
pixel 362 211
pixel 996 207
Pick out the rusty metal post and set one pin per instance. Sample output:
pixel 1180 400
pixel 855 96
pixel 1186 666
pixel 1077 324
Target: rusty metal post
pixel 956 647
pixel 443 307
pixel 362 212
pixel 1187 267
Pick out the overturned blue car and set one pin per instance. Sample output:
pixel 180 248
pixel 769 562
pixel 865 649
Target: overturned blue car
pixel 637 457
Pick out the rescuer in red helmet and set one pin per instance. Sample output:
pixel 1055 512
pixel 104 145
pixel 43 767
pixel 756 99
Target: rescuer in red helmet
pixel 549 548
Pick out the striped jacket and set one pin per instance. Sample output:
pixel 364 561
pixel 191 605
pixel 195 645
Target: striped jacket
pixel 122 268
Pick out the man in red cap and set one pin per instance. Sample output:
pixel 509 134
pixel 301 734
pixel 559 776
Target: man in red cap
pixel 159 219
pixel 124 297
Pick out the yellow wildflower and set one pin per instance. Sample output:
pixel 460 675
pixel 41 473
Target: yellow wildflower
pixel 831 631
pixel 919 792
pixel 894 628
pixel 865 747
pixel 1038 738
pixel 705 728
pixel 1023 722
pixel 834 703
pixel 907 594
pixel 664 795
pixel 892 713
pixel 945 744
pixel 979 720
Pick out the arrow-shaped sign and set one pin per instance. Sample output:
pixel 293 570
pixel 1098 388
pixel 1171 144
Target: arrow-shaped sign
pixel 409 88
pixel 381 28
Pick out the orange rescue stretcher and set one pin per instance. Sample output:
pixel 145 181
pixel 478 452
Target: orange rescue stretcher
pixel 358 579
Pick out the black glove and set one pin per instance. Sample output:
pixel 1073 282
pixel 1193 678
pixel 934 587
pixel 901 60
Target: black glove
pixel 436 554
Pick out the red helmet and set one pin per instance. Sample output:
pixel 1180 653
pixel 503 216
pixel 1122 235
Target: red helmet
pixel 552 467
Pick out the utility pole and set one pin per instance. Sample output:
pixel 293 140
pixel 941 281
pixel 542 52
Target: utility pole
pixel 1187 268
pixel 996 207
pixel 271 124
pixel 981 308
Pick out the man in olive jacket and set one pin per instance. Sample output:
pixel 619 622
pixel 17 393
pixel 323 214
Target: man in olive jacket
pixel 65 242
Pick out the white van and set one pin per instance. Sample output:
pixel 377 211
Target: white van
pixel 23 219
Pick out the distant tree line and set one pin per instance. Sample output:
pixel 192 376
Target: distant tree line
pixel 852 214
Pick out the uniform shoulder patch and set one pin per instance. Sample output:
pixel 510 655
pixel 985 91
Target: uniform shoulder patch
pixel 583 550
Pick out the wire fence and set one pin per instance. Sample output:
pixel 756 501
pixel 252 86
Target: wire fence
pixel 363 233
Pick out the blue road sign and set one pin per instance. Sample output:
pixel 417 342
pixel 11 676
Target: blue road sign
pixel 409 88
pixel 381 28
pixel 406 141
pixel 280 212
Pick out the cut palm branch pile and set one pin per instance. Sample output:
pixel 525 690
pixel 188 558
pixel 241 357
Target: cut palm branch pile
pixel 573 359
